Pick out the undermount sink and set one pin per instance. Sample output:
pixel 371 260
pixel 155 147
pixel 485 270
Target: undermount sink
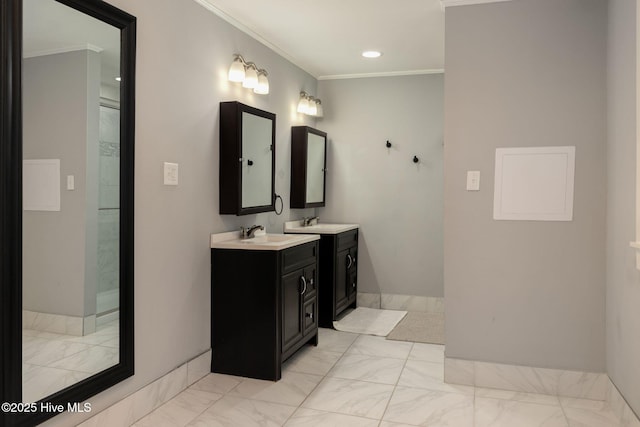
pixel 264 242
pixel 297 227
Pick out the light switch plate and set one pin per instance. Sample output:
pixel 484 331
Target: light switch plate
pixel 170 173
pixel 71 182
pixel 473 180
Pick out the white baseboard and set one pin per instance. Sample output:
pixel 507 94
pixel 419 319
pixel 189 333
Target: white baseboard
pixel 621 408
pixel 401 302
pixel 58 323
pixel 582 385
pixel 144 401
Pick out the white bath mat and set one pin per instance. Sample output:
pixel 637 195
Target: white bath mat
pixel 370 321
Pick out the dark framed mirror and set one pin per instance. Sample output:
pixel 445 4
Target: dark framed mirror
pixel 247 159
pixel 67 94
pixel 308 167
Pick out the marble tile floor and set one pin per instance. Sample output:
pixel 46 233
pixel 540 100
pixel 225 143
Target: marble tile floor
pixel 359 380
pixel 51 362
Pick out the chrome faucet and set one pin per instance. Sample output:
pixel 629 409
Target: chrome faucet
pixel 313 220
pixel 249 232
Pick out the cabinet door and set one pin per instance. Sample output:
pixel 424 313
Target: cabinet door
pixel 342 291
pixel 352 274
pixel 292 299
pixel 311 280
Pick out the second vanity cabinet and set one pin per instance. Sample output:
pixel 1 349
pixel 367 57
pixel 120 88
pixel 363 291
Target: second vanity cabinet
pixel 264 307
pixel 339 275
pixel 338 267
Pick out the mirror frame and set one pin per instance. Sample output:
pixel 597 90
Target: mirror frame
pixel 11 211
pixel 230 177
pixel 299 165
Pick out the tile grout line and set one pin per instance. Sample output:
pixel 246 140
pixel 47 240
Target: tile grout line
pixel 395 386
pixel 323 376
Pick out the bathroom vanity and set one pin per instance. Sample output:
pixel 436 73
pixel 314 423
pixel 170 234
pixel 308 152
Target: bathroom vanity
pixel 338 266
pixel 264 301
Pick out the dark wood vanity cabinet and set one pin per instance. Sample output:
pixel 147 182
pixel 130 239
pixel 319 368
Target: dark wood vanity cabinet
pixel 264 307
pixel 338 275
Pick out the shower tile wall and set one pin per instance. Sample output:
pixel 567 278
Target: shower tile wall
pixel 109 209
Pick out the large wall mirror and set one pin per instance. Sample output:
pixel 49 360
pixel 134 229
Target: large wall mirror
pixel 67 202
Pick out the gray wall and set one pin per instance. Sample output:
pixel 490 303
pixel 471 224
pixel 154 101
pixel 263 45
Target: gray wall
pixel 184 53
pixel 397 203
pixel 623 290
pixel 525 73
pixel 61 99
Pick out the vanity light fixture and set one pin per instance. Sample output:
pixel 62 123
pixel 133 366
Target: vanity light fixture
pixel 312 110
pixel 263 83
pixel 249 75
pixel 309 105
pixel 303 104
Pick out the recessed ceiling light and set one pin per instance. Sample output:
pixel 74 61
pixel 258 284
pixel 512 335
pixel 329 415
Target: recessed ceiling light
pixel 371 54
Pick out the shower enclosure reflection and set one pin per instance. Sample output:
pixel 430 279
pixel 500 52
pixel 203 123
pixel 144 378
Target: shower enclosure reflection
pixel 71 191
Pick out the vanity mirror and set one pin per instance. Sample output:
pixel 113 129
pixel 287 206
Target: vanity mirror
pixel 247 159
pixel 308 167
pixel 66 213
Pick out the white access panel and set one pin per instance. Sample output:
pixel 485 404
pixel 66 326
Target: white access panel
pixel 534 183
pixel 41 185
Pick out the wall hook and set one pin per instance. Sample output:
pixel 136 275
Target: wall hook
pixel 388 144
pixel 415 159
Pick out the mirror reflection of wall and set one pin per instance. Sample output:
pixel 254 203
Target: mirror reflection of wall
pixel 70 255
pixel 256 160
pixel 107 296
pixel 315 168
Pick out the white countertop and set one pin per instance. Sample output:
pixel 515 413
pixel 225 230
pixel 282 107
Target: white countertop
pixel 265 242
pixel 296 227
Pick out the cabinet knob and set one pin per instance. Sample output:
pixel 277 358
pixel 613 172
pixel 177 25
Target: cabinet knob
pixel 353 285
pixel 304 283
pixel 309 315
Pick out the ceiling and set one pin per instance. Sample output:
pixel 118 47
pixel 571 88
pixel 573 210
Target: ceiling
pixel 326 38
pixel 51 27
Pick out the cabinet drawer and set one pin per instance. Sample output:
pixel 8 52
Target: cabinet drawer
pixel 347 239
pixel 299 256
pixel 310 314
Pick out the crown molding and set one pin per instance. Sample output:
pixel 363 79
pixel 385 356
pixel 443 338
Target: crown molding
pixel 383 74
pixel 75 48
pixel 251 33
pixel 448 3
